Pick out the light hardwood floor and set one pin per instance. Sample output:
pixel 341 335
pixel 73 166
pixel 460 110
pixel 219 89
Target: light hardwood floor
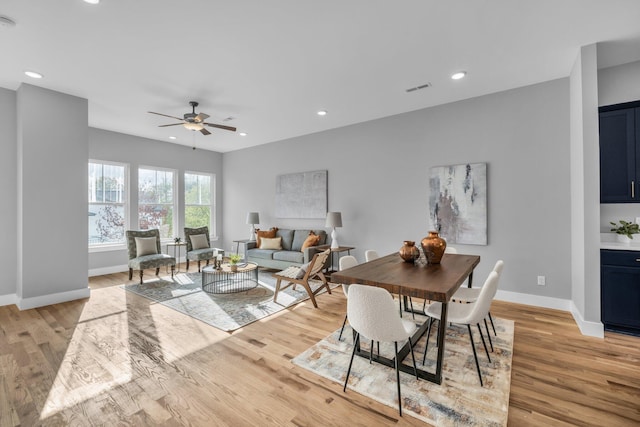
pixel 117 359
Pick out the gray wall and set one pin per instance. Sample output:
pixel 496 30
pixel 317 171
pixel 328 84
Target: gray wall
pixel 8 193
pixel 52 193
pixel 378 179
pixel 136 151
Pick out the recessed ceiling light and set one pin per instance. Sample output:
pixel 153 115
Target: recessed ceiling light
pixel 172 137
pixel 458 75
pixel 92 1
pixel 322 113
pixel 33 74
pixel 243 134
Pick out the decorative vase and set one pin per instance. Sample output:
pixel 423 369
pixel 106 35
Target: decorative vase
pixel 234 268
pixel 408 252
pixel 433 246
pixel 623 238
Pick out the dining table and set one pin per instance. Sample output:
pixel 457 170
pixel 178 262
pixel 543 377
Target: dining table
pixel 433 282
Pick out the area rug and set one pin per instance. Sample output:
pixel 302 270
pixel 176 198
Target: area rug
pixel 459 400
pixel 227 312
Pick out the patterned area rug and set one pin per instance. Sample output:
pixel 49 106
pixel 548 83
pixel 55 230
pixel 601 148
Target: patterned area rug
pixel 223 311
pixel 459 400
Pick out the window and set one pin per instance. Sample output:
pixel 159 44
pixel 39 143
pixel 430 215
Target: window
pixel 108 184
pixel 157 201
pixel 198 201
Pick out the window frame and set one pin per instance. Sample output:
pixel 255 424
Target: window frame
pixel 103 247
pixel 175 194
pixel 213 235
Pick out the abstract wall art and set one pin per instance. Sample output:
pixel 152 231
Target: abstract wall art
pixel 302 195
pixel 458 203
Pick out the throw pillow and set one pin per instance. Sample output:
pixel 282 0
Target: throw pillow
pixel 268 243
pixel 303 270
pixel 199 241
pixel 146 246
pixel 262 233
pixel 311 240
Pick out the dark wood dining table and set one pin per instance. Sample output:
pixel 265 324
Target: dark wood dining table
pixel 435 282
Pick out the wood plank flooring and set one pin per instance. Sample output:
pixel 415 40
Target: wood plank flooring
pixel 118 359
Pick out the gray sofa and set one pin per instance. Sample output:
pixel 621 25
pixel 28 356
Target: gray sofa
pixel 290 254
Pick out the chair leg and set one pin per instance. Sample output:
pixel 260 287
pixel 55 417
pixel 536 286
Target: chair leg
pixel 492 325
pixel 157 271
pixel 413 357
pixel 141 273
pixel 475 356
pixel 426 346
pixel 353 353
pixel 395 343
pixel 173 270
pixel 412 313
pixel 275 293
pixel 488 334
pixel 371 352
pixel 198 266
pixel 187 265
pixel 130 273
pixel 484 342
pixel 341 330
pixel 311 295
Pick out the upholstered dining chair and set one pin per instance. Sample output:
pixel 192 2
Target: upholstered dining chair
pixel 447 250
pixel 466 314
pixel 468 295
pixel 345 262
pixel 198 245
pixel 302 275
pixel 370 255
pixel 145 252
pixel 372 314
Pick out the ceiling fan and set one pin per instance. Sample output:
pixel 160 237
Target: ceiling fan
pixel 193 121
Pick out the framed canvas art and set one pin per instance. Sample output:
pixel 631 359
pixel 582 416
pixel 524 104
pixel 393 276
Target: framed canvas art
pixel 302 195
pixel 458 203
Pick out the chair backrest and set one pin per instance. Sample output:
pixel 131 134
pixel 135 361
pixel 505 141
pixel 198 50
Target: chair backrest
pixel 317 263
pixel 498 267
pixel 372 312
pixel 450 250
pixel 188 232
pixel 131 240
pixel 345 262
pixel 482 305
pixel 370 255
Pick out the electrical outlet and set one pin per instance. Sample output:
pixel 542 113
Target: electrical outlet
pixel 542 281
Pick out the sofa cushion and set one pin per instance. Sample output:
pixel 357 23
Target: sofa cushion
pixel 261 253
pixel 287 238
pixel 289 256
pixel 312 240
pixel 267 243
pixel 271 233
pixel 323 236
pixel 299 236
pixel 146 246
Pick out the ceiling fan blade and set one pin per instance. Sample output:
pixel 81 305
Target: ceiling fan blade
pixel 201 117
pixel 174 124
pixel 160 114
pixel 205 132
pixel 213 125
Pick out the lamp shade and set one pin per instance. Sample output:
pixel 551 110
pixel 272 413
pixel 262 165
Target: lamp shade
pixel 334 219
pixel 253 218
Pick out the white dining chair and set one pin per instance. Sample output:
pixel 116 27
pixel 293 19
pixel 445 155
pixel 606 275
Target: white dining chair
pixel 467 314
pixel 345 262
pixel 468 295
pixel 370 255
pixel 372 314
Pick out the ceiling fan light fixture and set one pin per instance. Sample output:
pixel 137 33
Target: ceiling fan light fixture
pixel 193 126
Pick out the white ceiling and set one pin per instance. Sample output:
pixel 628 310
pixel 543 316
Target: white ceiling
pixel 272 64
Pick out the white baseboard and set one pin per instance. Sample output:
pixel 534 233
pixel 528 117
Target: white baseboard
pixel 536 300
pixel 108 270
pixel 592 329
pixel 33 302
pixel 8 299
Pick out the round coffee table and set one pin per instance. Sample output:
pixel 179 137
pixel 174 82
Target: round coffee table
pixel 224 281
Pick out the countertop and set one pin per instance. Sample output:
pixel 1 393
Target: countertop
pixel 609 241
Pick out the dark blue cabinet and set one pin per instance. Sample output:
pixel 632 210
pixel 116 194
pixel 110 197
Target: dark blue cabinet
pixel 620 291
pixel 619 151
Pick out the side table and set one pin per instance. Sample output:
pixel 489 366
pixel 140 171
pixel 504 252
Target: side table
pixel 237 242
pixel 337 250
pixel 177 247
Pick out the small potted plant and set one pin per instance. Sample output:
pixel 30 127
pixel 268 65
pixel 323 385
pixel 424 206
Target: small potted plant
pixel 625 230
pixel 234 259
